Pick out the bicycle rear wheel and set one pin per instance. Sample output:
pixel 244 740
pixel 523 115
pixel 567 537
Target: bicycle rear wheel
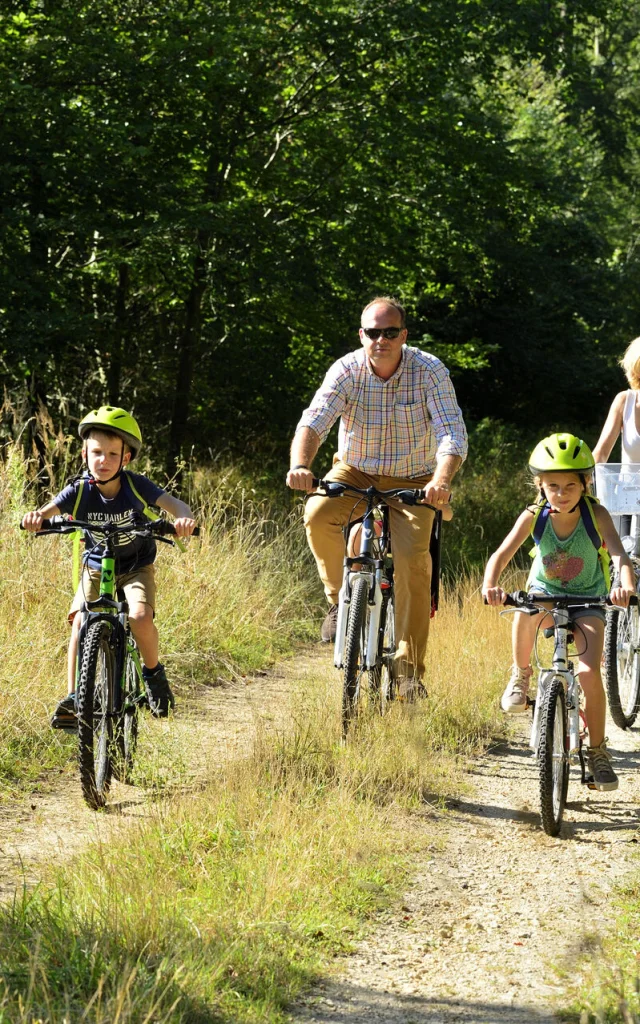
pixel 382 678
pixel 553 762
pixel 354 653
pixel 622 665
pixel 126 729
pixel 95 698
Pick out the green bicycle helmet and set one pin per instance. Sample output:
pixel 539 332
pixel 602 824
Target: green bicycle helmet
pixel 116 421
pixel 561 453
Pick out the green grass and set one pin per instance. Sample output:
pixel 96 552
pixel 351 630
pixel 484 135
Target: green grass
pixel 607 989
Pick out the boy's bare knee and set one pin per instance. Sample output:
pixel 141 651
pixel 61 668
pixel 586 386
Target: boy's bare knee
pixel 141 615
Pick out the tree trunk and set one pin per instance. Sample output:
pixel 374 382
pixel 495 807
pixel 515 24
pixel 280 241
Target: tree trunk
pixel 114 373
pixel 187 352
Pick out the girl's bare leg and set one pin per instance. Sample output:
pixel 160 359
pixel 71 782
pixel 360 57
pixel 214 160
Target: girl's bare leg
pixel 592 630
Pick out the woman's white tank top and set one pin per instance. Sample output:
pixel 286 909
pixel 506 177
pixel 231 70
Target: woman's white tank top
pixel 630 435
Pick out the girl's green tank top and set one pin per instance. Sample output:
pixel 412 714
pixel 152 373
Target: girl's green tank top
pixel 569 566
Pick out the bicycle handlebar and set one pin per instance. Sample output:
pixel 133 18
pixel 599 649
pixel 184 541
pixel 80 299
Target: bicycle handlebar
pixel 407 495
pixel 60 524
pixel 521 599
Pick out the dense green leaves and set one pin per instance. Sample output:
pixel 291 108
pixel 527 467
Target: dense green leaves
pixel 199 196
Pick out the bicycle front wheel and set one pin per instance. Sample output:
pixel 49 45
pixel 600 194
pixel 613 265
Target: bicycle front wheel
pixel 553 761
pixel 126 729
pixel 622 665
pixel 95 719
pixel 354 653
pixel 382 678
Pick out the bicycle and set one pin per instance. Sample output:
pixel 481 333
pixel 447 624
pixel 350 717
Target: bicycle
pixel 365 632
pixel 617 486
pixel 559 725
pixel 110 687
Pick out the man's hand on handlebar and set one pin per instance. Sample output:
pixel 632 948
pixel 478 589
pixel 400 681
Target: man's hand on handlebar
pixel 300 479
pixel 436 493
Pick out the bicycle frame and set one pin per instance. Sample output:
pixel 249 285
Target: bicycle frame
pixel 563 667
pixel 370 569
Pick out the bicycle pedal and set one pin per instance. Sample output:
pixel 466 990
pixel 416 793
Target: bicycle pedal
pixel 590 782
pixel 531 703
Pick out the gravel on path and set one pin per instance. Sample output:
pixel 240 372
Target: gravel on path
pixel 497 906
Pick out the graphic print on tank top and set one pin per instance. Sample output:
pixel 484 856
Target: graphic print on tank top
pixel 563 566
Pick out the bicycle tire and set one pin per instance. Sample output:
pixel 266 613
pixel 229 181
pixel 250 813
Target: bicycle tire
pixel 553 762
pixel 126 727
pixel 95 722
pixel 622 665
pixel 354 653
pixel 383 677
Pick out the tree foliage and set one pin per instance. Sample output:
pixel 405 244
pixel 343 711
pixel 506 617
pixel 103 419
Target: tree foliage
pixel 199 197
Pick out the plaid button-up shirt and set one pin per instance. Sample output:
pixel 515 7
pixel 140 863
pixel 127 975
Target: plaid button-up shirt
pixel 392 427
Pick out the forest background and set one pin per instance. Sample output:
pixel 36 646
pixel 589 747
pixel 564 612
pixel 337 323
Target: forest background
pixel 199 197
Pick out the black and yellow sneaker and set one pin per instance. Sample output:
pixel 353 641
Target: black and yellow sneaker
pixel 159 695
pixel 64 717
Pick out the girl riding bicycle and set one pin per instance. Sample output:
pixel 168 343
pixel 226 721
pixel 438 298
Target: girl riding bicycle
pixel 566 561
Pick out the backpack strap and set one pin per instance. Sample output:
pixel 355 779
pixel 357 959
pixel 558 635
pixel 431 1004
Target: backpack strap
pixel 587 501
pixel 77 536
pixel 540 517
pixel 146 508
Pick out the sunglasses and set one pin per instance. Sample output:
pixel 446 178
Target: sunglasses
pixel 388 333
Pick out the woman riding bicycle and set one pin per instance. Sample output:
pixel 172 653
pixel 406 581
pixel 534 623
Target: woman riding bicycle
pixel 566 561
pixel 111 440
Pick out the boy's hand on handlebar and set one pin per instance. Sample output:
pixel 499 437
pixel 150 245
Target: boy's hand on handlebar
pixel 494 595
pixel 32 521
pixel 184 527
pixel 300 480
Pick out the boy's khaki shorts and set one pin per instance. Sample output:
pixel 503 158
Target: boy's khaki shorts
pixel 139 587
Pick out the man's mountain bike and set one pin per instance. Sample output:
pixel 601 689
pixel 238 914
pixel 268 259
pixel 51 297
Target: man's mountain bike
pixel 365 644
pixel 559 726
pixel 109 683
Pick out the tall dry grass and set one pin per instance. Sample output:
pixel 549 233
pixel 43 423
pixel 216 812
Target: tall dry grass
pixel 239 598
pixel 223 903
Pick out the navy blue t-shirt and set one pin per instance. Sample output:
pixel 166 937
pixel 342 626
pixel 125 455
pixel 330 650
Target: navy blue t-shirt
pixel 131 552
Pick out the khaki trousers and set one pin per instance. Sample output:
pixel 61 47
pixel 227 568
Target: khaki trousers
pixel 410 536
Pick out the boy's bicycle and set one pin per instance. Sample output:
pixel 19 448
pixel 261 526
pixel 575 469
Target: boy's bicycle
pixel 365 633
pixel 559 725
pixel 619 490
pixel 109 683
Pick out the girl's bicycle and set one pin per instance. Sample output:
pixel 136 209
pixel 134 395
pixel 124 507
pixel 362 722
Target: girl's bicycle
pixel 365 633
pixel 110 687
pixel 619 490
pixel 559 726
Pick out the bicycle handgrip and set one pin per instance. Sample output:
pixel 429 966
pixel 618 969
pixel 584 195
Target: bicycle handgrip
pixel 332 488
pixel 161 526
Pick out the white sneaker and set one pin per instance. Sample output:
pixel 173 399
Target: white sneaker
pixel 514 698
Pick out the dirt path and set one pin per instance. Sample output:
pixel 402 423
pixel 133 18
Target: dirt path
pixel 214 725
pixel 489 910
pixel 489 913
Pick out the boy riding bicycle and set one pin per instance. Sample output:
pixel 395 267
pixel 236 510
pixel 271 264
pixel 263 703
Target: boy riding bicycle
pixel 572 535
pixel 108 491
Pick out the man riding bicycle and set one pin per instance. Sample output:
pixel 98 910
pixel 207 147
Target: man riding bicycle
pixel 400 426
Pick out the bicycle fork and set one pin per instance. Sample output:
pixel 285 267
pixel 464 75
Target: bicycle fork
pixel 374 598
pixel 564 668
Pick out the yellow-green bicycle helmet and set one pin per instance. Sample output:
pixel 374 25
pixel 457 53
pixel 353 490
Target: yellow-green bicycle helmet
pixel 561 453
pixel 116 421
